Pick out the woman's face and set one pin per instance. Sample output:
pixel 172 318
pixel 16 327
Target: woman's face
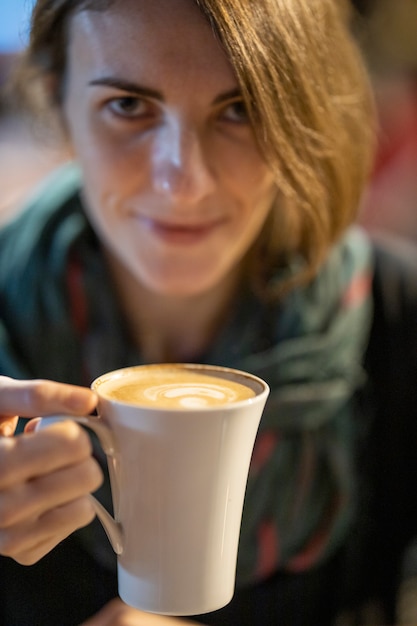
pixel 174 182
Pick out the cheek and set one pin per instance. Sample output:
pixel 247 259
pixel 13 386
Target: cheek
pixel 257 192
pixel 258 196
pixel 247 174
pixel 109 177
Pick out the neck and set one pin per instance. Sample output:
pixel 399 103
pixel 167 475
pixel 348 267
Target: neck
pixel 170 328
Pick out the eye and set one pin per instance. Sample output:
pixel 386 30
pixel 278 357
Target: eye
pixel 235 112
pixel 128 107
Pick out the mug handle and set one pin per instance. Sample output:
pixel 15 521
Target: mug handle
pixel 113 529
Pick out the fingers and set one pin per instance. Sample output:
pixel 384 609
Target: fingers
pixel 28 542
pixel 36 454
pixel 45 479
pixel 31 426
pixel 45 476
pixel 30 398
pixel 31 499
pixel 8 426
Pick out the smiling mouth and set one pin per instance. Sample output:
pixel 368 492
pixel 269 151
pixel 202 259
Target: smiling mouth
pixel 181 233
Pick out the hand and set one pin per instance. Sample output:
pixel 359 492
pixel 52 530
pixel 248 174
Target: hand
pixel 45 476
pixel 29 398
pixel 116 613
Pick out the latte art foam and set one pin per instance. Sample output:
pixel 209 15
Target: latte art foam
pixel 192 395
pixel 174 388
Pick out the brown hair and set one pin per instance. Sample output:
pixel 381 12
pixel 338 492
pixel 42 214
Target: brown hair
pixel 309 99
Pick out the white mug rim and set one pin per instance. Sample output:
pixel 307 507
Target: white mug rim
pixel 243 375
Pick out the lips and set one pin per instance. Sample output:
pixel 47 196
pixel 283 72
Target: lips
pixel 181 233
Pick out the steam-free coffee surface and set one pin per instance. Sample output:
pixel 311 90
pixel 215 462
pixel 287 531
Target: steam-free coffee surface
pixel 174 387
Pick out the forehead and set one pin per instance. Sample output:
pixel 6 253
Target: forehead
pixel 165 35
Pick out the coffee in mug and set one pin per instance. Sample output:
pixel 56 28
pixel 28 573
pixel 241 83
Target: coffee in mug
pixel 179 440
pixel 173 387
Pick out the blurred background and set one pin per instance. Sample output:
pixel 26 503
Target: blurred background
pixel 387 32
pixel 25 158
pixel 13 24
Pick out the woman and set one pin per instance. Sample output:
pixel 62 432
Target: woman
pixel 221 151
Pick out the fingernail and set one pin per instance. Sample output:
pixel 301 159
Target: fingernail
pixel 79 401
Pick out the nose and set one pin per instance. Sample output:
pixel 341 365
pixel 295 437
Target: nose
pixel 180 167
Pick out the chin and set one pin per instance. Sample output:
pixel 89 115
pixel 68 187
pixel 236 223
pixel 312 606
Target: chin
pixel 181 287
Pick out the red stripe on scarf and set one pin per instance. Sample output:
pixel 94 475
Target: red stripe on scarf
pixel 268 548
pixel 78 307
pixel 264 448
pixel 77 300
pixel 317 545
pixel 357 290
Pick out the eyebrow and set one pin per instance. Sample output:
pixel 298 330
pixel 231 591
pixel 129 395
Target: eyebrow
pixel 147 92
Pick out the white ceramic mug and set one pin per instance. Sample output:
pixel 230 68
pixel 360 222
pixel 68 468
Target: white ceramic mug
pixel 178 480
